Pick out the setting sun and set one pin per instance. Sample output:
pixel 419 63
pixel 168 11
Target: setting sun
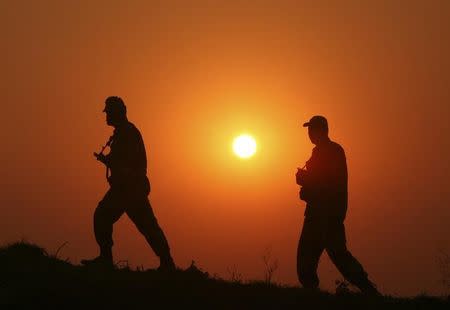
pixel 244 146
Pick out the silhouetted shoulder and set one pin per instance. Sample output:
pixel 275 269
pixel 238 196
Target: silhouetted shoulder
pixel 131 130
pixel 336 151
pixel 337 147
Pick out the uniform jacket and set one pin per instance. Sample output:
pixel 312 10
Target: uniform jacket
pixel 127 159
pixel 325 184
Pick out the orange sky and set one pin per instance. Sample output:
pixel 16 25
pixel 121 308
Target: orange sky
pixel 195 75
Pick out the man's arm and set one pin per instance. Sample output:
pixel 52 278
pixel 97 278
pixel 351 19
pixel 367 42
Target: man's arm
pixel 105 159
pixel 305 178
pixel 301 176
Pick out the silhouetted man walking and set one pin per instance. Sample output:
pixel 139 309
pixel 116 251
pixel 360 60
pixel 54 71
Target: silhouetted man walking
pixel 324 189
pixel 129 188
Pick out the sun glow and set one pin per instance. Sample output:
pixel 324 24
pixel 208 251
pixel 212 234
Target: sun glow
pixel 244 146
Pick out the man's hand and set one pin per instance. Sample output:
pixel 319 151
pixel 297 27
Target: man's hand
pixel 300 176
pixel 101 157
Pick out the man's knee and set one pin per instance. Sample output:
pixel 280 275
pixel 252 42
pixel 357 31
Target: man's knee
pixel 348 265
pixel 106 213
pixel 144 219
pixel 340 256
pixel 149 228
pixel 100 212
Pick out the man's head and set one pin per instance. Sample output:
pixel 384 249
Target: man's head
pixel 116 111
pixel 317 129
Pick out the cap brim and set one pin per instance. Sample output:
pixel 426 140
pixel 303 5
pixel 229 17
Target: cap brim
pixel 306 124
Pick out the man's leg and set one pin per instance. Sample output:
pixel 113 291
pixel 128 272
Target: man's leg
pixel 347 265
pixel 141 213
pixel 108 211
pixel 310 247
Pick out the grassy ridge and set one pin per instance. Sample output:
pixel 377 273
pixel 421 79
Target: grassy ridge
pixel 30 278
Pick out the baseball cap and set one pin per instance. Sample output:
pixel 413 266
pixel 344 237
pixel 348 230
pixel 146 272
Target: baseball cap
pixel 317 121
pixel 114 104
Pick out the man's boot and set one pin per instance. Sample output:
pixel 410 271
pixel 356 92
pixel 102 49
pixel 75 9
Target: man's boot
pixel 104 260
pixel 368 288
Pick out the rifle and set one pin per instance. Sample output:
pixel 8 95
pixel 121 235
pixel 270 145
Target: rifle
pixel 100 155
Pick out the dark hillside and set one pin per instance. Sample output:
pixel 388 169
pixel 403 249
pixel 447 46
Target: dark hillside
pixel 30 278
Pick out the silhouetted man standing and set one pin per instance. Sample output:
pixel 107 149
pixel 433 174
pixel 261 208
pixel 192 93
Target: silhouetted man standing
pixel 129 188
pixel 324 189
